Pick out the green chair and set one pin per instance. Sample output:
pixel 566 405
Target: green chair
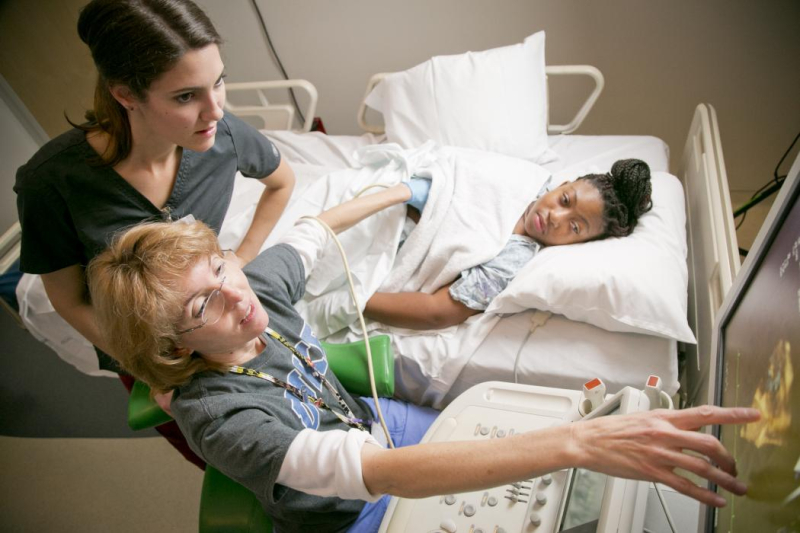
pixel 227 506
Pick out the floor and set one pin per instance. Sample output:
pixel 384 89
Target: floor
pixel 69 461
pixel 90 473
pixel 97 485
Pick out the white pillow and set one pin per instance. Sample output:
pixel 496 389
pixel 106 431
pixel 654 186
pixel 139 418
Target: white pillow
pixel 633 284
pixel 494 100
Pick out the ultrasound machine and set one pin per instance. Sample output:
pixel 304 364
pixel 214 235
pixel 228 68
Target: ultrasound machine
pixel 558 501
pixel 756 352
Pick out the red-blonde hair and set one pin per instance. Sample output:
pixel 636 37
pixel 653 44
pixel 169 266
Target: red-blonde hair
pixel 137 301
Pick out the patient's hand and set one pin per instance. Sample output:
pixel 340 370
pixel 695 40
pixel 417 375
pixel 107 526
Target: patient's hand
pixel 164 400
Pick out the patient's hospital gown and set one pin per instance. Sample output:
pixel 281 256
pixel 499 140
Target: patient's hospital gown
pixel 479 285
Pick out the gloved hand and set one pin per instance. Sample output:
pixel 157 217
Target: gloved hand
pixel 420 187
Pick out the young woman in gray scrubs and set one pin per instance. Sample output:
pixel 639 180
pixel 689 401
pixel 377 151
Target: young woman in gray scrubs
pixel 156 145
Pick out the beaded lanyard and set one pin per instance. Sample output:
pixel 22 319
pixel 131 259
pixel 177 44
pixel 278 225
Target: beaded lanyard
pixel 303 394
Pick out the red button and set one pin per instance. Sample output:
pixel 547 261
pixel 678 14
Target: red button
pixel 589 385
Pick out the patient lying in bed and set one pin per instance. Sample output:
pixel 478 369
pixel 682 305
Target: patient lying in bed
pixel 592 207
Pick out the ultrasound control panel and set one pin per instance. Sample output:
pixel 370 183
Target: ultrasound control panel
pixel 557 501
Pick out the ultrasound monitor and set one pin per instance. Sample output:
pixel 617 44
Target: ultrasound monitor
pixel 758 355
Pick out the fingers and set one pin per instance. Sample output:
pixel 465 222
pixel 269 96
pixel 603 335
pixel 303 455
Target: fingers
pixel 697 417
pixel 684 486
pixel 704 469
pixel 708 446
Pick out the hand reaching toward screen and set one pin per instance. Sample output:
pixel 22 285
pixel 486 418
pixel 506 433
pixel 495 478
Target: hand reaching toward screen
pixel 653 446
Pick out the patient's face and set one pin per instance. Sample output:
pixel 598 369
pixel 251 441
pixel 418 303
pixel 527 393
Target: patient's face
pixel 569 214
pixel 242 318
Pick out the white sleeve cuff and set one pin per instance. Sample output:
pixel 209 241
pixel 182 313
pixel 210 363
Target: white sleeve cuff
pixel 309 239
pixel 327 463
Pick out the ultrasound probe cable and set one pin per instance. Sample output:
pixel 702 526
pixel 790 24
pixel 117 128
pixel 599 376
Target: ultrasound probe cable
pixel 372 385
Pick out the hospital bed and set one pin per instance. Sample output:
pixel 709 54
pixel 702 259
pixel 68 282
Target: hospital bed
pixel 534 346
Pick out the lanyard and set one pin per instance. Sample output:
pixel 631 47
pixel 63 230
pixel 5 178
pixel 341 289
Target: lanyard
pixel 303 394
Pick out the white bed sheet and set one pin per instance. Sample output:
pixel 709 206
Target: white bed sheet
pixel 565 354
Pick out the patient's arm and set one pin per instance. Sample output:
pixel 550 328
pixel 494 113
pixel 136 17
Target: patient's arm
pixel 418 310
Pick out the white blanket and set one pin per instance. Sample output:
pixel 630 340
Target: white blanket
pixel 475 200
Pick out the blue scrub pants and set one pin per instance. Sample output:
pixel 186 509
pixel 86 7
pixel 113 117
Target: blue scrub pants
pixel 407 425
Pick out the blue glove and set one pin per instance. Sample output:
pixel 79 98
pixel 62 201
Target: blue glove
pixel 420 187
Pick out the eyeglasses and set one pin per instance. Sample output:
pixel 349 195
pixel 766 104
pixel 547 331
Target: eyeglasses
pixel 213 307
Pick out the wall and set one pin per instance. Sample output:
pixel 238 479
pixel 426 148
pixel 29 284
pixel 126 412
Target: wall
pixel 660 59
pixel 20 137
pixel 44 61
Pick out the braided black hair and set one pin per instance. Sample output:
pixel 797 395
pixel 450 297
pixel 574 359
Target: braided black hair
pixel 626 194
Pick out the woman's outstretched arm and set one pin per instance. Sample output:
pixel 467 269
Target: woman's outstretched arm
pixel 649 446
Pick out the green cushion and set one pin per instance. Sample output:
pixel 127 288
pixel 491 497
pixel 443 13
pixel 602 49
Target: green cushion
pixel 349 363
pixel 226 506
pixel 143 411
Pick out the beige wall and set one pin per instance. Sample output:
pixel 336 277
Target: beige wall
pixel 44 61
pixel 660 59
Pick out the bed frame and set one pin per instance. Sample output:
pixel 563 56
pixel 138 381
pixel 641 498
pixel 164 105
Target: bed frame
pixel 559 70
pixel 272 116
pixel 713 250
pixel 713 257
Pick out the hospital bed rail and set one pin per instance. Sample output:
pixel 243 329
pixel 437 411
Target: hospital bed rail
pixel 556 70
pixel 273 116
